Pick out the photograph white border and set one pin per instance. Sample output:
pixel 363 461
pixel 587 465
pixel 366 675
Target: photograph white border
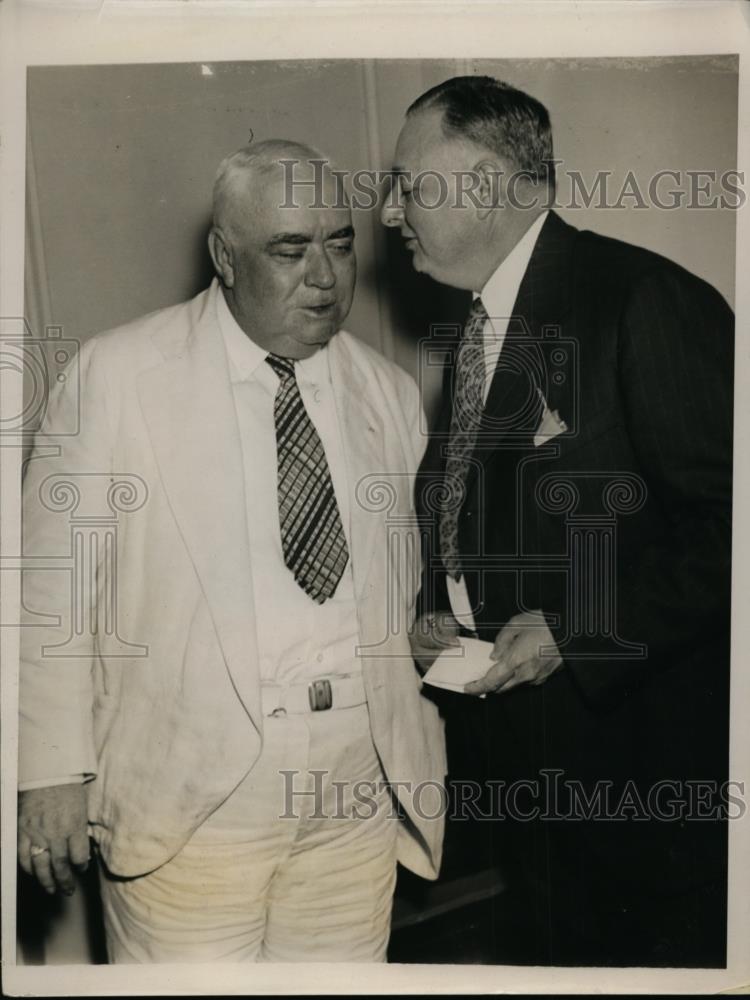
pixel 70 32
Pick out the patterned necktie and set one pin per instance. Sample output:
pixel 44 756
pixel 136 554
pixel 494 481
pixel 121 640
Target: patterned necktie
pixel 468 404
pixel 312 536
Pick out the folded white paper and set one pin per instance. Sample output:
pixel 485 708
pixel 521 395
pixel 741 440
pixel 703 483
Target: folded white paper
pixel 459 665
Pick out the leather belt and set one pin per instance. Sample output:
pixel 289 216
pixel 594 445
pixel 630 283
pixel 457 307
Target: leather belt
pixel 318 695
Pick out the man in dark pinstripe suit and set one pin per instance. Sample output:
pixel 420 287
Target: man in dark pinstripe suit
pixel 589 539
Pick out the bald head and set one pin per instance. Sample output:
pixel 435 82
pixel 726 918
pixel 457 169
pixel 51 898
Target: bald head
pixel 251 172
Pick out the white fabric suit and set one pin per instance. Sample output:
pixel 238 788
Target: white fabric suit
pixel 171 734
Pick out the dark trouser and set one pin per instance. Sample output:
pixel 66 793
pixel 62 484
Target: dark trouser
pixel 631 891
pixel 566 907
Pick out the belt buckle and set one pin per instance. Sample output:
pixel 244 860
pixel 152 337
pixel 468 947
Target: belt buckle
pixel 320 695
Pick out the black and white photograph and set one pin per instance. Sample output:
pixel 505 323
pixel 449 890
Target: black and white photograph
pixel 372 429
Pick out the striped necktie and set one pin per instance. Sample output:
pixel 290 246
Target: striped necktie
pixel 468 404
pixel 312 536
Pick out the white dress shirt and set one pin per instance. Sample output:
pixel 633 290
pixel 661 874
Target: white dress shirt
pixel 298 640
pixel 498 297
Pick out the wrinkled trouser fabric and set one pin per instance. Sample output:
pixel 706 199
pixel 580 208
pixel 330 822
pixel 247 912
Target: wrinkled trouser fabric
pixel 298 864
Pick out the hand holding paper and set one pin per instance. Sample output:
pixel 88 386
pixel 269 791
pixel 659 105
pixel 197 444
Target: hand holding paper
pixel 432 634
pixel 524 653
pixel 457 666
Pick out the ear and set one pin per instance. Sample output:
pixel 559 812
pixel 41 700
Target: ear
pixel 222 255
pixel 491 191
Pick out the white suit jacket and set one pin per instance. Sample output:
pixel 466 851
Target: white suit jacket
pixel 154 687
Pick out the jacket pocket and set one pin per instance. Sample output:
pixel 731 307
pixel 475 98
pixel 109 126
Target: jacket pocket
pixel 587 434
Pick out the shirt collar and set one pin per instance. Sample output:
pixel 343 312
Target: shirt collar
pixel 245 356
pixel 501 290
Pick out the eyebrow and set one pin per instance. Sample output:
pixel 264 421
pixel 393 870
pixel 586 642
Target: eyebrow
pixel 346 233
pixel 301 239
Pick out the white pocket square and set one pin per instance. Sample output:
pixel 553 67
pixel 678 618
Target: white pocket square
pixel 550 425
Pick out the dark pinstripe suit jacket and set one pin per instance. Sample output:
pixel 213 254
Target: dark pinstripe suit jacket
pixel 621 526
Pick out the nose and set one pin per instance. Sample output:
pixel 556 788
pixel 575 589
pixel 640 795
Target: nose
pixel 391 215
pixel 392 212
pixel 319 272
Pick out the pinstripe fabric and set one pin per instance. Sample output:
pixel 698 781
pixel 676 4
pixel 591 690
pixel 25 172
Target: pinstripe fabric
pixel 645 385
pixel 312 535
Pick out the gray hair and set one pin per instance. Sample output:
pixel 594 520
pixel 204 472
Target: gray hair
pixel 248 164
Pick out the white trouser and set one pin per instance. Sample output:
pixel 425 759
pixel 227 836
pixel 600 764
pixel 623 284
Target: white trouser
pixel 275 874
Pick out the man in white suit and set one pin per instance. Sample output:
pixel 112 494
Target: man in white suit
pixel 254 762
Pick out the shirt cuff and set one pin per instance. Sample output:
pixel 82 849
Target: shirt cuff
pixel 67 779
pixel 458 595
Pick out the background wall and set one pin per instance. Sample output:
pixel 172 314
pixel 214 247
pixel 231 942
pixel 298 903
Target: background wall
pixel 121 161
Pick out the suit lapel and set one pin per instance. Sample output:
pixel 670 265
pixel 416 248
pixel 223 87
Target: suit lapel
pixel 363 441
pixel 189 409
pixel 541 306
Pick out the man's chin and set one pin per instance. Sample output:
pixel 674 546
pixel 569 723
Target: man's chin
pixel 420 264
pixel 325 332
pixel 308 341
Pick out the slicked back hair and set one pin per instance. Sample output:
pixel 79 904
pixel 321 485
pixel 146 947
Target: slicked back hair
pixel 498 117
